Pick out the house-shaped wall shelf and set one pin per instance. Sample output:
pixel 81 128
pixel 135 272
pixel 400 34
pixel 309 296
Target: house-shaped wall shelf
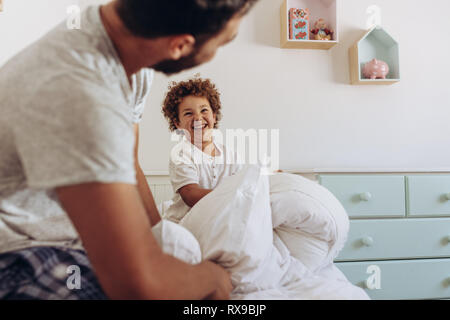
pixel 375 44
pixel 326 9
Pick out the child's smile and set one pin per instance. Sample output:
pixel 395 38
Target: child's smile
pixel 196 116
pixel 199 125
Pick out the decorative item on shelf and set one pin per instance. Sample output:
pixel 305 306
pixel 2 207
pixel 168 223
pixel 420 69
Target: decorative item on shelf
pixel 375 69
pixel 298 24
pixel 1 5
pixel 315 8
pixel 321 31
pixel 374 59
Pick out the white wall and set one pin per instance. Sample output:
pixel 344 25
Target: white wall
pixel 324 122
pixel 24 21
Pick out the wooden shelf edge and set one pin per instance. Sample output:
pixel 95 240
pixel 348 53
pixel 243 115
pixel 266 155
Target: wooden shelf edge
pixel 375 82
pixel 308 44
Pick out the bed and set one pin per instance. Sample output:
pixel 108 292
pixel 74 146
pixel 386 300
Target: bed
pixel 276 234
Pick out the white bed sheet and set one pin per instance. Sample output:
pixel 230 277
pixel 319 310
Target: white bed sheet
pixel 329 284
pixel 233 227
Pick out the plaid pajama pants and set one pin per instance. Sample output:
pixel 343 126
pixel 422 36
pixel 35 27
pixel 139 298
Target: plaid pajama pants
pixel 45 273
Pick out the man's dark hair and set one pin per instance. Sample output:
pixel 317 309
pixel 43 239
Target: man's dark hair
pixel 157 18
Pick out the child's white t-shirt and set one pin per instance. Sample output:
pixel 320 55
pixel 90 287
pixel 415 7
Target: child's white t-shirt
pixel 189 165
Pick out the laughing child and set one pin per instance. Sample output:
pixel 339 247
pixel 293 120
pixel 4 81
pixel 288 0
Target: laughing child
pixel 197 163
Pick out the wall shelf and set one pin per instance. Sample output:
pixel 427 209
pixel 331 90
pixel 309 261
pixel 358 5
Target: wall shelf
pixel 326 9
pixel 376 43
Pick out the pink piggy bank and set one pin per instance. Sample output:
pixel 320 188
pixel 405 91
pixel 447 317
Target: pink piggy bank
pixel 375 69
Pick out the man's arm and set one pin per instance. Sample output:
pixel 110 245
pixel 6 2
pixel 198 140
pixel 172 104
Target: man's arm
pixel 192 193
pixel 116 234
pixel 142 184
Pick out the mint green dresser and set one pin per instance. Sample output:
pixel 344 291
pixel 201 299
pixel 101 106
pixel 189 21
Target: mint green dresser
pixel 398 246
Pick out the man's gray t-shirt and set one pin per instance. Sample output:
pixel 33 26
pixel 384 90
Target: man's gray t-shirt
pixel 66 117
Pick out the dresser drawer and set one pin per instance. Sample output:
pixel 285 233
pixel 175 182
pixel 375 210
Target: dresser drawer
pixel 397 239
pixel 401 279
pixel 428 195
pixel 368 195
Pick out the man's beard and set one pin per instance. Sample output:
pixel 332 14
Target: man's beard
pixel 170 67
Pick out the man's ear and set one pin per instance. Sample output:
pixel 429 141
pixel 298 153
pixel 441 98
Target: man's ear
pixel 181 46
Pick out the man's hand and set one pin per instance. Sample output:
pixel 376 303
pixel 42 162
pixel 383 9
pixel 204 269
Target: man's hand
pixel 224 286
pixel 116 233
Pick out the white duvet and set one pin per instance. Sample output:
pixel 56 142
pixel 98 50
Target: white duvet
pixel 277 236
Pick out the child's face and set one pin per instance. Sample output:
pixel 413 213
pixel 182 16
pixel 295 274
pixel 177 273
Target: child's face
pixel 197 118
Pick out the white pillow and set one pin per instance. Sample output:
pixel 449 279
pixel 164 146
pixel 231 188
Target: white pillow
pixel 308 218
pixel 234 228
pixel 177 241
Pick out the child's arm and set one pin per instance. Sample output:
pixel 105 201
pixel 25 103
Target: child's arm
pixel 192 193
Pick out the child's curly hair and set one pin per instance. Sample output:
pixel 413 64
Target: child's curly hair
pixel 195 87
